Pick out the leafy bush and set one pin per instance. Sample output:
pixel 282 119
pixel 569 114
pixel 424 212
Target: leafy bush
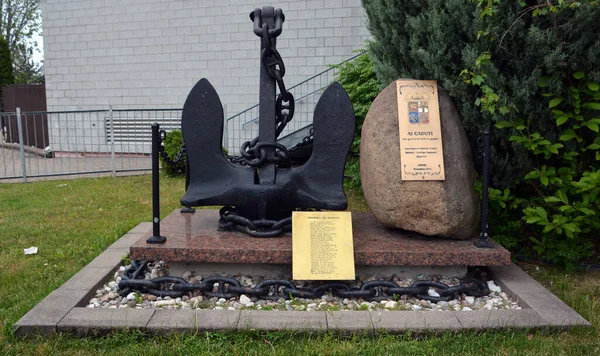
pixel 172 144
pixel 502 47
pixel 359 80
pixel 563 204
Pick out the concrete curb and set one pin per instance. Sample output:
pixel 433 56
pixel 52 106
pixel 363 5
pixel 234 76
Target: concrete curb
pixel 64 310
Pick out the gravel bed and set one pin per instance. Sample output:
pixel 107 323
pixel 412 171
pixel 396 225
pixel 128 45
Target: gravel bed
pixel 108 297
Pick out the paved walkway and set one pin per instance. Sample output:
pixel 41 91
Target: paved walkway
pixel 67 165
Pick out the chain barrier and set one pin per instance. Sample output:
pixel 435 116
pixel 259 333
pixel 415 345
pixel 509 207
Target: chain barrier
pixel 228 287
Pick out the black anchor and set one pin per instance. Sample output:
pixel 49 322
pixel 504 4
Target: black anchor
pixel 265 191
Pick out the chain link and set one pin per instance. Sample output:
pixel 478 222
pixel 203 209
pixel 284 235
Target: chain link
pixel 228 287
pixel 257 228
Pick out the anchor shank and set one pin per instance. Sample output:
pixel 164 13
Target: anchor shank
pixel 266 123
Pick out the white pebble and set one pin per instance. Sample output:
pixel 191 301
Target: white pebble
pixel 391 304
pixel 113 285
pixel 162 303
pixel 230 308
pixel 432 293
pixel 467 309
pixel 493 287
pixel 250 304
pixel 416 308
pixel 470 300
pixel 218 308
pixel 221 301
pixel 131 296
pixel 244 300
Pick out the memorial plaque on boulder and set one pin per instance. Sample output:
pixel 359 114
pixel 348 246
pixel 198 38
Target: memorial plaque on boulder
pixel 445 208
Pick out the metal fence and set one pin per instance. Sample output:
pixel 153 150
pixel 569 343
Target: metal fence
pixel 61 143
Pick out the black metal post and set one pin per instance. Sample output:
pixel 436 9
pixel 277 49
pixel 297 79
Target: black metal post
pixel 483 241
pixel 156 238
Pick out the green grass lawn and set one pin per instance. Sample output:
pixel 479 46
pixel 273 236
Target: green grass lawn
pixel 73 221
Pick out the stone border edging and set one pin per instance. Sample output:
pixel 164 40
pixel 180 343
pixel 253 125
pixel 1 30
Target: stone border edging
pixel 64 309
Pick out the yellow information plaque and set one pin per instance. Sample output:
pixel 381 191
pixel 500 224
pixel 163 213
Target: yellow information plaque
pixel 322 245
pixel 421 152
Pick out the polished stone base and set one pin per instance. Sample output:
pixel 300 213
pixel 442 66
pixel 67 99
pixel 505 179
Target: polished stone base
pixel 194 238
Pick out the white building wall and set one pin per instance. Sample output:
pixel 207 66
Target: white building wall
pixel 150 53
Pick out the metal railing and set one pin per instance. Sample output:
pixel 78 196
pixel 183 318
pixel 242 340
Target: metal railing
pixel 61 143
pixel 243 126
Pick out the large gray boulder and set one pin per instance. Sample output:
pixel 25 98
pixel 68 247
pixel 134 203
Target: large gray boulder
pixel 448 208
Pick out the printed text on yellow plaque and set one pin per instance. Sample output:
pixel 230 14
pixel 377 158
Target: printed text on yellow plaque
pixel 421 152
pixel 322 245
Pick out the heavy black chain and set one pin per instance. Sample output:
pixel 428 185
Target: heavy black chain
pixel 162 135
pixel 253 152
pixel 256 228
pixel 228 287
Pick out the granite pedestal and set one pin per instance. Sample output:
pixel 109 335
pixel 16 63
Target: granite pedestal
pixel 193 238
